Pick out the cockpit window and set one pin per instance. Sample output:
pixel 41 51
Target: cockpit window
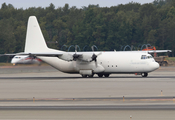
pixel 146 57
pixel 149 57
pixel 17 57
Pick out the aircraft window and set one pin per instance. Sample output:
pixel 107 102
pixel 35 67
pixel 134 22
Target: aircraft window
pixel 108 65
pixel 149 57
pixel 112 65
pixel 116 65
pixel 143 57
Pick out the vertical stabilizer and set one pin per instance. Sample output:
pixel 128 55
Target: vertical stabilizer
pixel 35 41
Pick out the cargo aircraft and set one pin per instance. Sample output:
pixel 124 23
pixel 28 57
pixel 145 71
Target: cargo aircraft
pixel 87 63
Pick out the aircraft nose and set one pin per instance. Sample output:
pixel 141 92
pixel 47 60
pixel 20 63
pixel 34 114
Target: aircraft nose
pixel 13 61
pixel 155 65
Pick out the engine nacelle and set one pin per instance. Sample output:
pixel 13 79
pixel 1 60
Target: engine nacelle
pixel 86 57
pixel 66 57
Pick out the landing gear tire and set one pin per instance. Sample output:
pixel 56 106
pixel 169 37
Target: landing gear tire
pixel 144 74
pixel 91 76
pixel 84 76
pixel 106 75
pixel 100 75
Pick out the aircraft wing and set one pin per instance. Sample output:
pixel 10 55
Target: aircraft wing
pixel 35 54
pixel 62 55
pixel 42 54
pixel 158 51
pixel 7 54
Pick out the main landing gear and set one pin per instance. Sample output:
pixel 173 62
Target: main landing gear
pixel 144 74
pixel 107 75
pixel 90 76
pixel 99 75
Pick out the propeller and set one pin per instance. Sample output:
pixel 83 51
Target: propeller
pixel 94 56
pixel 75 56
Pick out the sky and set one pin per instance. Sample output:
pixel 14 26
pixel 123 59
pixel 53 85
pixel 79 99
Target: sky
pixel 60 3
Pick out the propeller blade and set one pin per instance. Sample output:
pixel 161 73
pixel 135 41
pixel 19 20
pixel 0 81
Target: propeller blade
pixel 92 47
pixel 75 56
pixel 76 48
pixel 96 63
pixel 99 54
pixel 94 58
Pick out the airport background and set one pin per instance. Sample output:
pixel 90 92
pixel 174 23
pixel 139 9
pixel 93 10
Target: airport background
pixel 107 28
pixel 42 92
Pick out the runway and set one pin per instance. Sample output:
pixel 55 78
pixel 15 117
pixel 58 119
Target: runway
pixel 45 93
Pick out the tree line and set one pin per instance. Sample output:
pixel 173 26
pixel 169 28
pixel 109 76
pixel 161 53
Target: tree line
pixel 107 28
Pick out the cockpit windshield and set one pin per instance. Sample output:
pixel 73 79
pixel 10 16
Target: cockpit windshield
pixel 17 57
pixel 146 57
pixel 150 57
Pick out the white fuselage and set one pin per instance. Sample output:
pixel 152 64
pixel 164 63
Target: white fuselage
pixel 107 62
pixel 24 60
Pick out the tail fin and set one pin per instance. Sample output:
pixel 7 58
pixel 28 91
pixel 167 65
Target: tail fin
pixel 35 41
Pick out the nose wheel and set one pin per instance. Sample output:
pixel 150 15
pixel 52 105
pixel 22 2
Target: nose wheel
pixel 144 74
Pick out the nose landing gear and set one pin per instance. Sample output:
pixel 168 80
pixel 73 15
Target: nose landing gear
pixel 144 74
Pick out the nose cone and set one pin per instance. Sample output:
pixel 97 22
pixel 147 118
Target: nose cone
pixel 157 65
pixel 154 66
pixel 14 61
